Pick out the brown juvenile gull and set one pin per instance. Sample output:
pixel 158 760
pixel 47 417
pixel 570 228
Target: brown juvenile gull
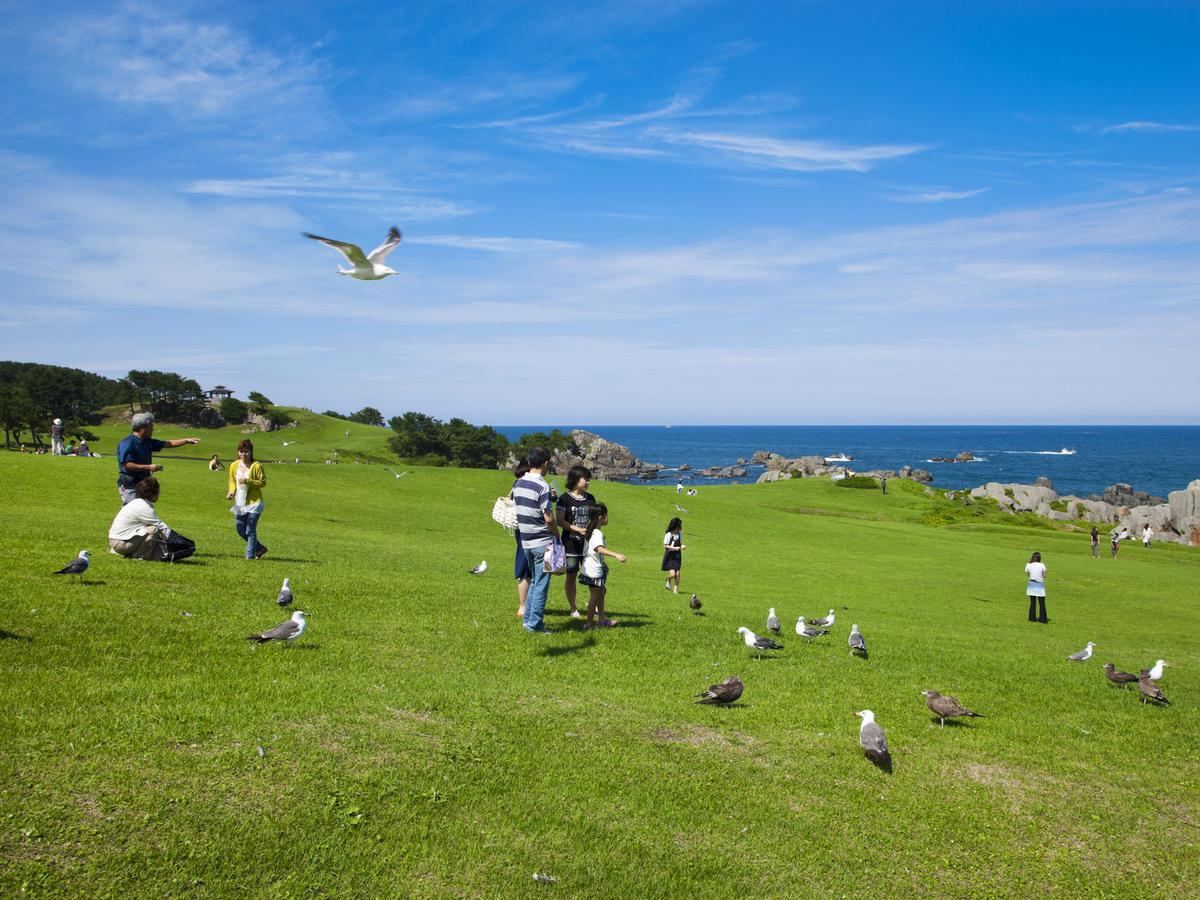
pixel 1150 690
pixel 367 266
pixel 873 740
pixel 857 642
pixel 754 642
pixel 772 621
pixel 695 603
pixel 1084 654
pixel 824 621
pixel 284 631
pixel 1116 676
pixel 806 631
pixel 725 692
pixel 285 593
pixel 77 566
pixel 946 707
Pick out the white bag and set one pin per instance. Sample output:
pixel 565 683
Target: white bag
pixel 504 511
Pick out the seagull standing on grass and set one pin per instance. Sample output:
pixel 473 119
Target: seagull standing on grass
pixel 480 569
pixel 284 631
pixel 369 266
pixel 754 642
pixel 695 603
pixel 1157 672
pixel 872 739
pixel 77 566
pixel 857 643
pixel 824 621
pixel 1084 654
pixel 725 692
pixel 285 593
pixel 772 621
pixel 806 631
pixel 1150 690
pixel 1116 676
pixel 946 707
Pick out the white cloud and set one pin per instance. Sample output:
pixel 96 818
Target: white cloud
pixel 794 155
pixel 937 196
pixel 494 244
pixel 1148 126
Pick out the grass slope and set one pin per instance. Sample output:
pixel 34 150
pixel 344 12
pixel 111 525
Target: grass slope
pixel 418 743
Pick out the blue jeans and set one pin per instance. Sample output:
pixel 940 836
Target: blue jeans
pixel 247 529
pixel 539 586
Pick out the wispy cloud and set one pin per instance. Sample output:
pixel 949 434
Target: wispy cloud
pixel 794 155
pixel 1141 125
pixel 494 244
pixel 937 196
pixel 504 89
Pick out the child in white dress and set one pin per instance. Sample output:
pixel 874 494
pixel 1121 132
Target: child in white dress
pixel 594 571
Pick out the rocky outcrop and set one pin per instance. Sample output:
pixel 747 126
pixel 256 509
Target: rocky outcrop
pixel 1185 513
pixel 606 459
pixel 722 472
pixel 1121 494
pixel 773 475
pixel 1043 481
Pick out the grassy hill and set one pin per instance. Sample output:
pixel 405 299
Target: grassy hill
pixel 418 743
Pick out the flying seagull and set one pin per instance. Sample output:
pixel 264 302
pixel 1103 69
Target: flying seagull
pixel 946 707
pixel 1116 676
pixel 284 631
pixel 289 443
pixel 1157 672
pixel 285 593
pixel 1085 653
pixel 754 642
pixel 77 566
pixel 824 621
pixel 695 603
pixel 680 508
pixel 772 621
pixel 367 267
pixel 857 643
pixel 397 474
pixel 807 631
pixel 873 740
pixel 725 692
pixel 479 569
pixel 1150 690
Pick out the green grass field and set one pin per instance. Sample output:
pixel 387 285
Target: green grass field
pixel 418 743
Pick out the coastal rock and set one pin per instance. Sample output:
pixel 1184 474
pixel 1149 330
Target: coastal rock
pixel 760 457
pixel 1121 494
pixel 686 467
pixel 741 460
pixel 606 459
pixel 809 465
pixel 773 475
pixel 921 475
pixel 1043 481
pixel 1185 513
pixel 724 472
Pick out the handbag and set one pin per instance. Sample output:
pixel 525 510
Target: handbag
pixel 555 559
pixel 504 511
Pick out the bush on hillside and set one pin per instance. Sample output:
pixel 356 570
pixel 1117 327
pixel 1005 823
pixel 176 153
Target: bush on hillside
pixel 234 411
pixel 863 482
pixel 552 440
pixel 278 418
pixel 368 415
pixel 455 443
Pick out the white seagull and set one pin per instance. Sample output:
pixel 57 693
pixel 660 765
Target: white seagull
pixel 754 642
pixel 289 443
pixel 772 622
pixel 480 569
pixel 368 267
pixel 285 593
pixel 856 641
pixel 1085 653
pixel 284 631
pixel 1157 672
pixel 680 508
pixel 873 740
pixel 397 474
pixel 77 566
pixel 807 632
pixel 824 621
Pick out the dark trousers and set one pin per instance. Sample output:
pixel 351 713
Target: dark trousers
pixel 1033 603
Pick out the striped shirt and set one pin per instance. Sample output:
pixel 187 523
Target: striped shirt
pixel 532 497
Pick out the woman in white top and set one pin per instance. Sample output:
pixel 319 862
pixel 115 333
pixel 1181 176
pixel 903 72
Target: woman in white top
pixel 138 533
pixel 1036 571
pixel 1147 533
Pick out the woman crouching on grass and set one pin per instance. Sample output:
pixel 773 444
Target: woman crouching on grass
pixel 246 481
pixel 593 571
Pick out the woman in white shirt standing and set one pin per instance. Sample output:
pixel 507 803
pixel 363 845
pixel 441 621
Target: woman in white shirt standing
pixel 1147 533
pixel 1036 571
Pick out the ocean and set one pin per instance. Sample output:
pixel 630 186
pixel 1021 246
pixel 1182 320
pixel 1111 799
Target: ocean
pixel 1157 459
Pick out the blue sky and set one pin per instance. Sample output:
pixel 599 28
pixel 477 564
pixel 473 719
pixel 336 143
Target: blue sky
pixel 623 212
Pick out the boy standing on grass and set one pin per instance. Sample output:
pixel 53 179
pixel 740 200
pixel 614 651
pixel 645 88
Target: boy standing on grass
pixel 538 530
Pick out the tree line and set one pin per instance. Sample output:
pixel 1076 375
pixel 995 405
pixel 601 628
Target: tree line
pixel 424 440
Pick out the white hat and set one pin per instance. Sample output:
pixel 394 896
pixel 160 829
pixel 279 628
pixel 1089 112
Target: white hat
pixel 58 421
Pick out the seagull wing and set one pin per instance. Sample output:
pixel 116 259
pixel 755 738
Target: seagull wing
pixel 280 632
pixel 873 739
pixel 77 566
pixel 285 596
pixel 352 252
pixel 1078 657
pixel 857 642
pixel 765 643
pixel 379 254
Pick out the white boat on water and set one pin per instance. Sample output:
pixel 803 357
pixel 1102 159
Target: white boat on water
pixel 840 458
pixel 1065 452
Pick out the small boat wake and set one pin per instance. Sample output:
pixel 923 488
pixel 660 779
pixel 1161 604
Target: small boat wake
pixel 946 459
pixel 1063 452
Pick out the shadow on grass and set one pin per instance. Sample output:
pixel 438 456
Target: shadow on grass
pixel 10 636
pixel 883 765
pixel 586 644
pixel 950 723
pixel 284 559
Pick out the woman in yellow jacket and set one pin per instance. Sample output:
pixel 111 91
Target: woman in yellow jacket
pixel 246 481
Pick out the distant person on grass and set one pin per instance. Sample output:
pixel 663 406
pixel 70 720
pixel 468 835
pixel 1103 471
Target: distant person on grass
pixel 1036 590
pixel 572 514
pixel 595 571
pixel 538 529
pixel 246 481
pixel 1095 542
pixel 56 437
pixel 135 454
pixel 1114 542
pixel 215 464
pixel 673 553
pixel 138 533
pixel 1147 533
pixel 520 563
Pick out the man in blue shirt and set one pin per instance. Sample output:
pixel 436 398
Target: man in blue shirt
pixel 135 454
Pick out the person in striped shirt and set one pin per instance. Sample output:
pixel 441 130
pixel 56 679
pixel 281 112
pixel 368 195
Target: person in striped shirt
pixel 538 530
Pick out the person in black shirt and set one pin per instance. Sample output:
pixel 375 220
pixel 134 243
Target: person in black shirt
pixel 572 512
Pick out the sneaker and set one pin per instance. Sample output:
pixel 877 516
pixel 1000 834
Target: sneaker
pixel 667 584
pixel 539 630
pixel 576 614
pixel 609 623
pixel 261 553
